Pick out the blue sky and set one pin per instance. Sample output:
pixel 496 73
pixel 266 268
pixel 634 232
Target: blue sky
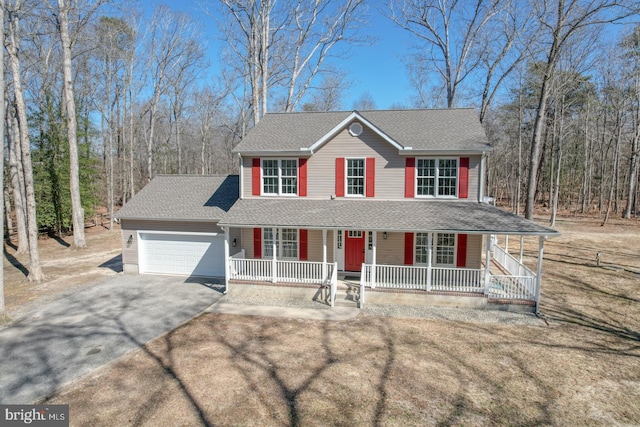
pixel 377 68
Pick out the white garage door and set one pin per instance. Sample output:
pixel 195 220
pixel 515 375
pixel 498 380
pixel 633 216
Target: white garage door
pixel 181 254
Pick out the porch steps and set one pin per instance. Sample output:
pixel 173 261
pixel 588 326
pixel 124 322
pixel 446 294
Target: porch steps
pixel 347 294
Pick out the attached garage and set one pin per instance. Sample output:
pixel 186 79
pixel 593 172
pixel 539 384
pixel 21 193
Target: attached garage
pixel 171 226
pixel 181 254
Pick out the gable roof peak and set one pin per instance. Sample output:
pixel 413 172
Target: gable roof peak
pixel 451 129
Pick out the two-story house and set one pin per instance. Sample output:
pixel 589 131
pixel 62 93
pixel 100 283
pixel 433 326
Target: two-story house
pixel 395 197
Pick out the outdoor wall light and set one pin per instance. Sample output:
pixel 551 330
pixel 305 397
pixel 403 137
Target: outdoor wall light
pixel 384 235
pixel 129 240
pixel 234 243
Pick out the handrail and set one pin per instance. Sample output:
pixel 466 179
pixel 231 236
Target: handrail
pixel 334 283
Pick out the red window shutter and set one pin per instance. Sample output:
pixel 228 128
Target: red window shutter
pixel 463 182
pixel 370 179
pixel 340 177
pixel 410 177
pixel 302 177
pixel 304 239
pixel 257 243
pixel 461 258
pixel 255 177
pixel 408 248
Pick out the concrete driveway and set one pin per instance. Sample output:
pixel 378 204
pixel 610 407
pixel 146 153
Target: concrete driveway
pixel 74 335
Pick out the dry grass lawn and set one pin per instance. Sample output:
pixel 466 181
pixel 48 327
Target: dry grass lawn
pixel 581 367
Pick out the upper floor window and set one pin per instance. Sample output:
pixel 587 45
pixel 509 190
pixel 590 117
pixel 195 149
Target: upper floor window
pixel 437 177
pixel 355 177
pixel 280 176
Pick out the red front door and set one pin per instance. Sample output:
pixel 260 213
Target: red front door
pixel 354 250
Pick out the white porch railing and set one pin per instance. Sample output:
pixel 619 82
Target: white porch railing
pixel 509 263
pixel 262 270
pixel 457 279
pixel 519 284
pixel 412 277
pixel 512 287
pixel 251 269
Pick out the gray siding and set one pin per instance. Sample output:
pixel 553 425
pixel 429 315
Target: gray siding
pixel 246 176
pixel 474 250
pixel 131 227
pixel 321 168
pixel 390 167
pixel 390 251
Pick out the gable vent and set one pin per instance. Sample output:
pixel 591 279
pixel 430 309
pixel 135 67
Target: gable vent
pixel 355 129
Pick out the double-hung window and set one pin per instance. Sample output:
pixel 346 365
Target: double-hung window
pixel 355 177
pixel 280 177
pixel 286 240
pixel 444 249
pixel 437 177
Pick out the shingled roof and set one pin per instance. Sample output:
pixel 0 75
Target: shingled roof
pixel 183 197
pixel 456 129
pixel 381 215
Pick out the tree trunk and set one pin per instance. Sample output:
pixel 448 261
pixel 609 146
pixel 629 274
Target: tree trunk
pixel 7 211
pixel 2 115
pixel 79 241
pixel 35 269
pixel 633 169
pixel 537 141
pixel 614 173
pixel 16 176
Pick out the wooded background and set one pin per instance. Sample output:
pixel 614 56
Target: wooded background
pixel 101 97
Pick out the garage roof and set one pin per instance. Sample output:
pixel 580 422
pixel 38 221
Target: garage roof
pixel 381 215
pixel 183 197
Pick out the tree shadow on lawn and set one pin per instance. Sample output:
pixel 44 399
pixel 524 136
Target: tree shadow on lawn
pixel 375 396
pixel 17 264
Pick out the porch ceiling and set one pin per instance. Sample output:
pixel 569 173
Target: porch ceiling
pixel 380 215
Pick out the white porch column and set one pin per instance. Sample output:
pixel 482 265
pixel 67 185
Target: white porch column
pixel 324 254
pixel 487 263
pixel 227 260
pixel 506 243
pixel 521 248
pixel 539 271
pixel 373 257
pixel 429 256
pixel 274 263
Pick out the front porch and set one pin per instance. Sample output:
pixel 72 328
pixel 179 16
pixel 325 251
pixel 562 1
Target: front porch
pixel 502 281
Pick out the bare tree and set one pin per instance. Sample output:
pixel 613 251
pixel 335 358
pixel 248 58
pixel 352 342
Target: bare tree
pixel 318 26
pixel 170 35
pixel 329 95
pixel 450 31
pixel 563 20
pixel 631 54
pixel 64 11
pixel 283 46
pixel 365 102
pixel 12 45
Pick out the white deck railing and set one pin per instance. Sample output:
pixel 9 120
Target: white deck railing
pixel 512 287
pixel 262 270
